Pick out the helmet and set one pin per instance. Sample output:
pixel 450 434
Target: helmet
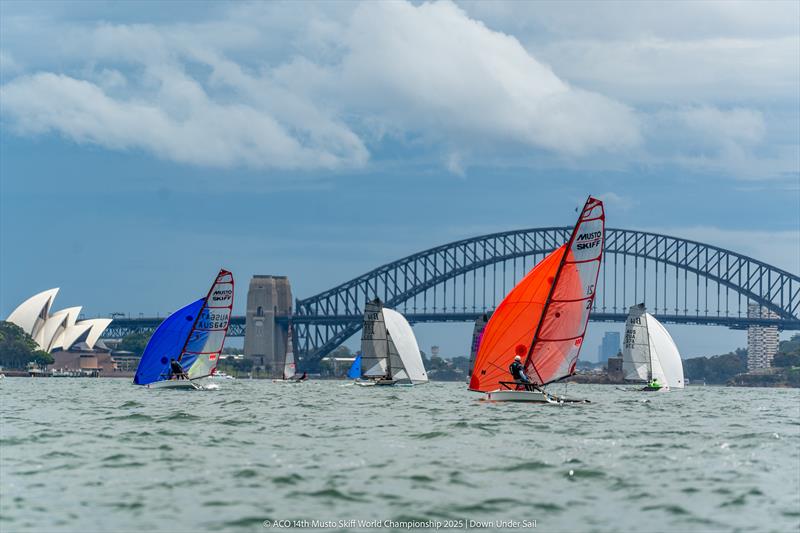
pixel 518 358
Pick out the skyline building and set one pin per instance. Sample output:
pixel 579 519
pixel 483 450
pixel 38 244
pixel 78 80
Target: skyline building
pixel 609 346
pixel 762 341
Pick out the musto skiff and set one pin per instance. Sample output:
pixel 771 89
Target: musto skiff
pixel 543 319
pixel 649 355
pixel 390 354
pixel 185 348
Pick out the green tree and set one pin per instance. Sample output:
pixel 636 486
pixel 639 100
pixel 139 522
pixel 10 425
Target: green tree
pixel 135 342
pixel 17 348
pixel 716 369
pixel 788 353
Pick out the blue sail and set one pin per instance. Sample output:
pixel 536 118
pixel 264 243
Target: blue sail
pixel 166 343
pixel 355 369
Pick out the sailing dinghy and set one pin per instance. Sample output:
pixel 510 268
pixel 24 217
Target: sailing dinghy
pixel 544 317
pixel 390 353
pixel 650 353
pixel 289 367
pixel 192 337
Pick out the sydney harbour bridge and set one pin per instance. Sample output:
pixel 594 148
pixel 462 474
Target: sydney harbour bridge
pixel 681 282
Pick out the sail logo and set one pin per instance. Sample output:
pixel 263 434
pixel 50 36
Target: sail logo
pixel 222 295
pixel 587 241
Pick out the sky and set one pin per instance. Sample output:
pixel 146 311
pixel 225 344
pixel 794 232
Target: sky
pixel 143 145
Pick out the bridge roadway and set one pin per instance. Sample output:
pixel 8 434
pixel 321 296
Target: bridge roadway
pixel 121 327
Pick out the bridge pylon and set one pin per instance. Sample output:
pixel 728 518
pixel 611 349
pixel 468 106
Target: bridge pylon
pixel 269 305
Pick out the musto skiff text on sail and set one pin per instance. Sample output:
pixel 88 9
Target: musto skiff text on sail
pixel 400 524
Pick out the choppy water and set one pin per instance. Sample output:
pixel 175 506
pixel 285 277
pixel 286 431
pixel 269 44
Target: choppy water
pixel 101 454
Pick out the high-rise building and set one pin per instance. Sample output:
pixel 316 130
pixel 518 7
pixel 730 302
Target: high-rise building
pixel 762 341
pixel 609 347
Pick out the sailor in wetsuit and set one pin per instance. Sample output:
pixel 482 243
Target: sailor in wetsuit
pixel 176 370
pixel 518 373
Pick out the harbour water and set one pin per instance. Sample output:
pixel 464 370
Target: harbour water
pixel 102 454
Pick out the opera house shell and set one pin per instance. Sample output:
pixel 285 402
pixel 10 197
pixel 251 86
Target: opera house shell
pixel 58 330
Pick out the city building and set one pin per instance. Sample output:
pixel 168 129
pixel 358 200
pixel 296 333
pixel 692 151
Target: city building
pixel 762 341
pixel 60 330
pixel 609 347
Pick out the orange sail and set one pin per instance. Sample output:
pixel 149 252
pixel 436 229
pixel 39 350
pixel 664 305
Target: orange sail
pixel 543 319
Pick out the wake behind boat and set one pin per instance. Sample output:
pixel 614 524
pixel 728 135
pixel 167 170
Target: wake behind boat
pixel 389 351
pixel 185 347
pixel 649 355
pixel 543 318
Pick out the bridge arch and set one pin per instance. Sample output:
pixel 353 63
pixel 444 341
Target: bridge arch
pixel 681 272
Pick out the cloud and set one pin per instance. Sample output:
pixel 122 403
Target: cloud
pixel 619 202
pixel 650 70
pixel 395 71
pixel 191 128
pixel 329 86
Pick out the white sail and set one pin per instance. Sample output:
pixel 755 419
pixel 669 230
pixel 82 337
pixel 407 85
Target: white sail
pixel 666 358
pixel 636 358
pixel 397 370
pixel 289 369
pixel 374 345
pixel 405 342
pixel 207 336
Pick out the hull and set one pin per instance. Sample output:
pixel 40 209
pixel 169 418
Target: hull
pixel 288 380
pixel 174 384
pixel 517 396
pixel 375 383
pixel 526 396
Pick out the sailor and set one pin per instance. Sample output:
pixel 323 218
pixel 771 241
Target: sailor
pixel 176 370
pixel 654 384
pixel 518 371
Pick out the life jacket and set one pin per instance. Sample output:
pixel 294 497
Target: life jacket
pixel 516 370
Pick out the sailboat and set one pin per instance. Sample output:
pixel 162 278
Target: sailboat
pixel 649 352
pixel 477 335
pixel 185 347
pixel 390 353
pixel 544 317
pixel 289 367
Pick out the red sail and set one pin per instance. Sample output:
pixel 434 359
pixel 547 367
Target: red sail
pixel 545 315
pixel 513 324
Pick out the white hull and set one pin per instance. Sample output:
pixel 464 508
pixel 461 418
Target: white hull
pixel 526 396
pixel 517 396
pixel 175 384
pixel 288 380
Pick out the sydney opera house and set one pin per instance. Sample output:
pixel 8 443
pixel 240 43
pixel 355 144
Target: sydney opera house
pixel 74 344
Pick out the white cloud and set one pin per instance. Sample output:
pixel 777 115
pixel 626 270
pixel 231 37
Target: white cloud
pixel 190 129
pixel 424 71
pixel 271 85
pixel 652 70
